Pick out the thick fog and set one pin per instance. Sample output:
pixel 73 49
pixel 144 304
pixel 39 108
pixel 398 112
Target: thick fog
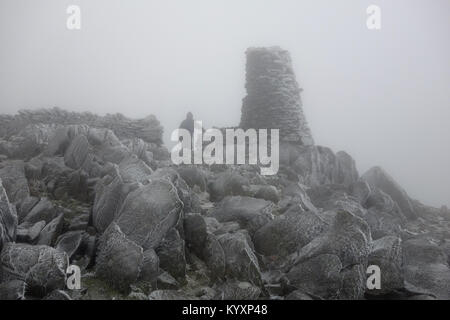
pixel 383 96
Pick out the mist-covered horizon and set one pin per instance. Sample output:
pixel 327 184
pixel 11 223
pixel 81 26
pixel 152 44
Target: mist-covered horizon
pixel 382 96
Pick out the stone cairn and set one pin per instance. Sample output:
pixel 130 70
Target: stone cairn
pixel 273 96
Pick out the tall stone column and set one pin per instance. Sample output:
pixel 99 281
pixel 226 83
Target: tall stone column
pixel 273 96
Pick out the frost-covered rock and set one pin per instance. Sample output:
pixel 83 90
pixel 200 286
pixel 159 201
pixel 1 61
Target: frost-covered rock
pixel 348 238
pixel 119 259
pixel 149 212
pixel 111 192
pixel 317 165
pixel 8 219
pixel 379 178
pixel 12 290
pixel 237 290
pixel 43 211
pixel 51 231
pixel 426 267
pixel 227 184
pixel 250 213
pixel 320 276
pixel 41 267
pixel 171 254
pixel 387 255
pixel 14 180
pixel 241 262
pixel 289 232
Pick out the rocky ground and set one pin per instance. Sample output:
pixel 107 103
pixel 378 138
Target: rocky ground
pixel 103 195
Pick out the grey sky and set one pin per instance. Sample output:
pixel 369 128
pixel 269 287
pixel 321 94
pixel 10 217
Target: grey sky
pixel 383 96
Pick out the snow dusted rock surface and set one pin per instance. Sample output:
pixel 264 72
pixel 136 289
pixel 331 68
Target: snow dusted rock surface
pixel 100 192
pixel 42 268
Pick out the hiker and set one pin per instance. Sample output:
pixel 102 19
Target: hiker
pixel 188 123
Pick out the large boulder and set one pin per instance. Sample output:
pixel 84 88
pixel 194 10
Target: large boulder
pixel 61 182
pixel 336 197
pixel 91 148
pixel 240 260
pixel 348 238
pixel 296 193
pixel 25 207
pixel 269 193
pixel 353 283
pixel 361 191
pixel 426 267
pixel 250 213
pixel 69 242
pixel 51 231
pixel 318 165
pixel 13 290
pixel 171 254
pixel 150 266
pixel 379 178
pixel 106 146
pixel 77 153
pixel 43 211
pixel 387 255
pixel 289 232
pixel 14 180
pixel 193 176
pixel 58 142
pixel 28 232
pixel 141 149
pixel 195 232
pixel 325 277
pixel 381 201
pixel 384 215
pixel 187 196
pixel 346 169
pixel 41 267
pixel 320 276
pixel 149 212
pixel 119 259
pixel 132 169
pixel 324 195
pixel 111 192
pixel 214 256
pixel 227 183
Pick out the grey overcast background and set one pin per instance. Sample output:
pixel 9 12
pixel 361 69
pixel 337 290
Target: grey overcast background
pixel 383 96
